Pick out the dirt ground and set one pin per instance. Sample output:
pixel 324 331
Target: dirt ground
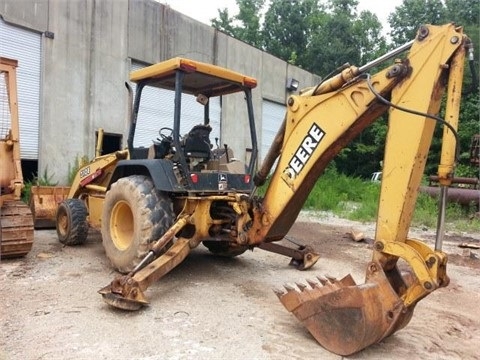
pixel 215 308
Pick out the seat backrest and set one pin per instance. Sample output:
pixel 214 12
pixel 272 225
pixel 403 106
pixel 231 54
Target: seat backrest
pixel 197 142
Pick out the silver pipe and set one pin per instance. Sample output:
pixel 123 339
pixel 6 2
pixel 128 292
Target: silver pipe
pixel 442 204
pixel 386 56
pixel 145 261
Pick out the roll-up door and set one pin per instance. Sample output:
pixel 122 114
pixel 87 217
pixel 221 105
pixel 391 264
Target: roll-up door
pixel 272 117
pixel 25 47
pixel 156 111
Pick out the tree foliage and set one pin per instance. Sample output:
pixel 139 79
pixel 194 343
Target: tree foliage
pixel 409 16
pixel 246 25
pixel 321 35
pixel 288 27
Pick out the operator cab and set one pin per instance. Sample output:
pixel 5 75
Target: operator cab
pixel 189 156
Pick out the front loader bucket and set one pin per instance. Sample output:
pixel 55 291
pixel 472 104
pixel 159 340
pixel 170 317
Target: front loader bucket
pixel 44 201
pixel 344 317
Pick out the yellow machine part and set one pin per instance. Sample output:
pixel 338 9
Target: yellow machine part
pixel 343 316
pixel 16 229
pixel 95 206
pixel 44 201
pixel 15 217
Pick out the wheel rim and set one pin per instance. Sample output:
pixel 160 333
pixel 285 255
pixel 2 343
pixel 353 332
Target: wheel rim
pixel 121 225
pixel 62 222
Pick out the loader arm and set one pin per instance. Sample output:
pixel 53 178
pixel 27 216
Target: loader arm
pixel 96 174
pixel 342 316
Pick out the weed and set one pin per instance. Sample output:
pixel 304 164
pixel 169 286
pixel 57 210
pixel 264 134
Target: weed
pixel 45 179
pixel 73 170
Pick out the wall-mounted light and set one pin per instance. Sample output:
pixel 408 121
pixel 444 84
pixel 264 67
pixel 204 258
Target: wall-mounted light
pixel 292 84
pixel 49 35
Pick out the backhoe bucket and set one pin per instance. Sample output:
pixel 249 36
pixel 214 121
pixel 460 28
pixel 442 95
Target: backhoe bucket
pixel 44 201
pixel 346 318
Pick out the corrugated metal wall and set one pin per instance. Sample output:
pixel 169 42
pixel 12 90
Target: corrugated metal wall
pixel 25 47
pixel 272 117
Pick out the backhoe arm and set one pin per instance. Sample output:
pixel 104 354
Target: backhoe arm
pixel 316 129
pixel 342 316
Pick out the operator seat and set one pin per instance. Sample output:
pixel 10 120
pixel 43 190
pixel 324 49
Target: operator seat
pixel 197 143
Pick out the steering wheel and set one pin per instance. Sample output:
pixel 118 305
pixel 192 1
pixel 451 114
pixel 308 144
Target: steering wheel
pixel 165 133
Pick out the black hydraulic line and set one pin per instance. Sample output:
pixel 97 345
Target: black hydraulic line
pixel 434 117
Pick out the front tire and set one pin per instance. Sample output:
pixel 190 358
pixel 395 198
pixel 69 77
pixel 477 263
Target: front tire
pixel 72 225
pixel 134 215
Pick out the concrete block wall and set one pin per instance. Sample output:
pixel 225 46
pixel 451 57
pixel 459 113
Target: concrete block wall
pixel 88 59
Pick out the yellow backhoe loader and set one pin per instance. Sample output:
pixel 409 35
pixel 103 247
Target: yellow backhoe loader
pixel 149 186
pixel 159 203
pixel 16 221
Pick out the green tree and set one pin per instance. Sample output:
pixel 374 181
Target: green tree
pixel 367 29
pixel 408 17
pixel 334 44
pixel 224 22
pixel 288 28
pixel 321 35
pixel 246 25
pixel 316 35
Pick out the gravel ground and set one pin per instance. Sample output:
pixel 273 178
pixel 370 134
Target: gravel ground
pixel 215 308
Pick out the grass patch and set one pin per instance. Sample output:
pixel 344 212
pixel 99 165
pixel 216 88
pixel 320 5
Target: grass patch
pixel 351 198
pixel 457 216
pixel 357 199
pixel 45 179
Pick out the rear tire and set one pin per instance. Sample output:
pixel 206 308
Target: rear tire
pixel 224 248
pixel 134 215
pixel 72 225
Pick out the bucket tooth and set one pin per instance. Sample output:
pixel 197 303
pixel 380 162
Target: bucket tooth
pixel 290 299
pixel 322 280
pixel 289 288
pixel 296 296
pixel 332 279
pixel 330 287
pixel 278 292
pixel 301 286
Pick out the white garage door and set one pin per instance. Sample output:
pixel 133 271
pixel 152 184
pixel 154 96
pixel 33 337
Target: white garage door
pixel 272 117
pixel 25 47
pixel 156 111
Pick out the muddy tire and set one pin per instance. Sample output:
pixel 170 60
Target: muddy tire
pixel 134 215
pixel 224 248
pixel 72 225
